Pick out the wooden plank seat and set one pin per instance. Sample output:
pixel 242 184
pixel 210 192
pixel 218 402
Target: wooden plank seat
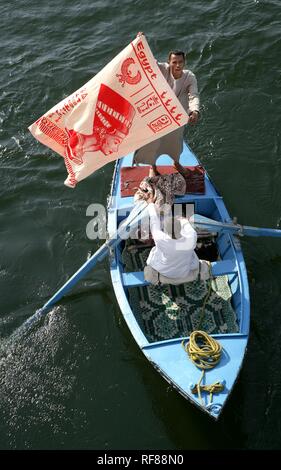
pixel 219 268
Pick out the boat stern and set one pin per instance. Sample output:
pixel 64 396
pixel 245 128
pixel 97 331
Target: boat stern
pixel 174 364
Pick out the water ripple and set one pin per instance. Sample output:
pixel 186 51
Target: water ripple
pixel 49 50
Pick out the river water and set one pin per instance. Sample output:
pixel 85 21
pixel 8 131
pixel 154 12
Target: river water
pixel 77 380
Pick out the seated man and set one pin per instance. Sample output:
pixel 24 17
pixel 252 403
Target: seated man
pixel 173 260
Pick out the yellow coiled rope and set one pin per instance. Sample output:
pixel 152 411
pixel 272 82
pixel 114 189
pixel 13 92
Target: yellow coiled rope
pixel 205 352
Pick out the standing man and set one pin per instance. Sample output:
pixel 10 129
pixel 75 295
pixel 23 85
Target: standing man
pixel 184 84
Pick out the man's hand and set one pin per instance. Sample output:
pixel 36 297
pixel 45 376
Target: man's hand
pixel 193 117
pixel 149 198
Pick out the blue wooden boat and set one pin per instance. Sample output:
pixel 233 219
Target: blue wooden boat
pixel 168 355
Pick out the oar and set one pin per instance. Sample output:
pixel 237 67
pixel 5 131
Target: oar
pixel 124 229
pixel 211 225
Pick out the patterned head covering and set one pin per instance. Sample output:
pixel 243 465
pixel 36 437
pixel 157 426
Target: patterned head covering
pixel 163 187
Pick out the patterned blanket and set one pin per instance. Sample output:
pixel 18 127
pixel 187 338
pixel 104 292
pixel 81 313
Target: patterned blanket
pixel 166 312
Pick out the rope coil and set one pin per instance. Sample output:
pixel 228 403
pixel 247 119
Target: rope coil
pixel 205 352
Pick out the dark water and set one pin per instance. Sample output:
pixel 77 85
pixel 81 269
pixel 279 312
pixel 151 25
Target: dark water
pixel 78 380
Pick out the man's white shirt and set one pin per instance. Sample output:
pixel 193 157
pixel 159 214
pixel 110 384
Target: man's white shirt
pixel 173 258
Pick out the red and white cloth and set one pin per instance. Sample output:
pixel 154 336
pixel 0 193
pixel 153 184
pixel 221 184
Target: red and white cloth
pixel 125 106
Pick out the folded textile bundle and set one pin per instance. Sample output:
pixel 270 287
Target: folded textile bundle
pixel 164 188
pixel 131 178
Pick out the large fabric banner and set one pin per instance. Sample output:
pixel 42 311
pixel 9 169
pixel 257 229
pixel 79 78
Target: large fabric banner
pixel 125 106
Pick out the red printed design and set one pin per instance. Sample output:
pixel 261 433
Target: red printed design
pixel 52 130
pixel 160 123
pixel 144 61
pixel 126 75
pixel 112 122
pixel 151 75
pixel 167 104
pixel 148 103
pixel 71 179
pixel 71 103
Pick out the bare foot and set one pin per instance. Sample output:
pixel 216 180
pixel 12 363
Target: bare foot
pixel 153 171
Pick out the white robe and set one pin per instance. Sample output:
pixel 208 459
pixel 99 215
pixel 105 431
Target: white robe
pixel 174 258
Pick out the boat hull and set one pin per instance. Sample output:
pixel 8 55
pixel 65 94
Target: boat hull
pixel 169 357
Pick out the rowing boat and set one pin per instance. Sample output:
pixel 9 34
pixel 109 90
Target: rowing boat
pixel 162 318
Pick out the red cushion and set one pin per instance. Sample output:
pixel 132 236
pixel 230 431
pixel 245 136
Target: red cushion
pixel 132 176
